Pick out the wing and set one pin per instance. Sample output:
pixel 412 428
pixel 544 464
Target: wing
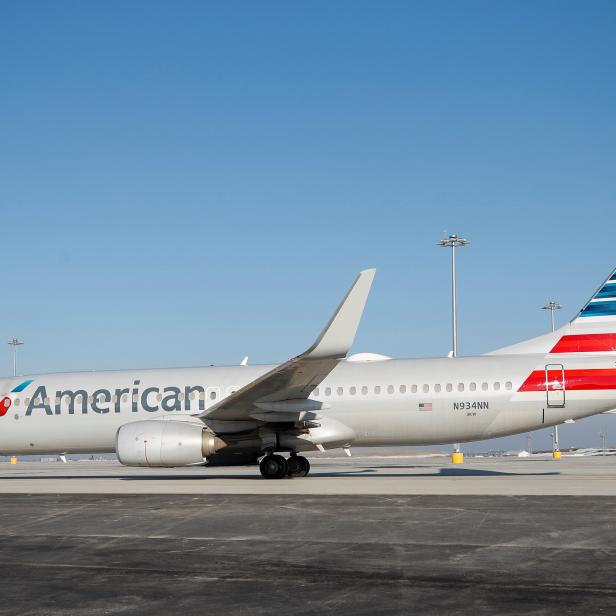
pixel 287 387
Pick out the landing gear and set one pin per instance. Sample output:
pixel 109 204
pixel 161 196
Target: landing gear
pixel 298 466
pixel 274 467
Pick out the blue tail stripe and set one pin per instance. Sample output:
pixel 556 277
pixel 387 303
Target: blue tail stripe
pixel 609 290
pixel 599 309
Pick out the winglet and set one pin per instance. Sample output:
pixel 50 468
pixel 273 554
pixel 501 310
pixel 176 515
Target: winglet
pixel 337 337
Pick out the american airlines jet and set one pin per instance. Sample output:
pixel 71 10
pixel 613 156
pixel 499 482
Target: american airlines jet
pixel 320 399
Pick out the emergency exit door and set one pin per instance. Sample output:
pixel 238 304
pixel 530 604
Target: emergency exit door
pixel 555 385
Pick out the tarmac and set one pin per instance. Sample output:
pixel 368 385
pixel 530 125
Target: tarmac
pixel 494 536
pixel 403 475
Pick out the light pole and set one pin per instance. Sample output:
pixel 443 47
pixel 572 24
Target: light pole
pixel 529 443
pixel 14 342
pixel 555 445
pixel 603 435
pixel 552 306
pixel 453 241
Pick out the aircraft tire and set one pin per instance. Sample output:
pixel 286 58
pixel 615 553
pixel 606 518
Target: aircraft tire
pixel 298 466
pixel 274 467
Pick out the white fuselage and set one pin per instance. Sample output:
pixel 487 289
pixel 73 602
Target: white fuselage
pixel 391 402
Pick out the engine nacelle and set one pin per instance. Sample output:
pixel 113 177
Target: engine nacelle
pixel 165 443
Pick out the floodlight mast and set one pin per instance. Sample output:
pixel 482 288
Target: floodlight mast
pixel 552 307
pixel 14 343
pixel 453 241
pixel 603 435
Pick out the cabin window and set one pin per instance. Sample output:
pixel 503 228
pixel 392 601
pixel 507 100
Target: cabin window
pixel 316 392
pixel 426 389
pixel 390 389
pixel 484 386
pixel 414 389
pixel 27 401
pixel 212 395
pixel 437 387
pixel 460 386
pixel 91 399
pixel 340 391
pixel 472 386
pixel 449 387
pixel 353 390
pixel 402 389
pixel 16 401
pixel 201 395
pixel 377 389
pixel 496 386
pixel 159 397
pixel 328 391
pixel 508 385
pixel 364 390
pixel 125 398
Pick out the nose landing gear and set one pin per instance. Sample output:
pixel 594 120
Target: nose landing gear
pixel 274 466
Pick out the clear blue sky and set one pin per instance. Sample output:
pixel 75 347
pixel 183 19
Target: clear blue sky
pixel 184 183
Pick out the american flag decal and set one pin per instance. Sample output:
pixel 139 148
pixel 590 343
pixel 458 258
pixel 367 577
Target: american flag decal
pixel 425 406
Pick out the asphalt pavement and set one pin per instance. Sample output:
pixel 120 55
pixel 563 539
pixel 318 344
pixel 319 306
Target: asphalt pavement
pixel 76 554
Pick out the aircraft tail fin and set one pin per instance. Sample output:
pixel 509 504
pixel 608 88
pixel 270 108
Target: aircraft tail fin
pixel 592 330
pixel 601 307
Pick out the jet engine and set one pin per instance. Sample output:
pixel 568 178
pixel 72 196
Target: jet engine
pixel 165 443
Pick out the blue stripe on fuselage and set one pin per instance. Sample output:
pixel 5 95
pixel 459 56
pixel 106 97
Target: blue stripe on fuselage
pixel 22 386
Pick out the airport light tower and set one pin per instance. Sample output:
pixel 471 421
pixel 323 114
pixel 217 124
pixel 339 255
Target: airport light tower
pixel 14 343
pixel 603 435
pixel 453 242
pixel 552 307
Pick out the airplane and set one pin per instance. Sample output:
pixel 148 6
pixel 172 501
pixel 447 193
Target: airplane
pixel 319 400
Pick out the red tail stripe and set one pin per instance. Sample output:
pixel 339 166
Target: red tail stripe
pixel 586 343
pixel 575 380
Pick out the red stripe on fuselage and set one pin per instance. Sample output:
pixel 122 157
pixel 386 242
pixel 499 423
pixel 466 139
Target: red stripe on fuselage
pixel 575 380
pixel 585 343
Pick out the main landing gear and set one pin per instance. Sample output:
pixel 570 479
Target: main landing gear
pixel 274 466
